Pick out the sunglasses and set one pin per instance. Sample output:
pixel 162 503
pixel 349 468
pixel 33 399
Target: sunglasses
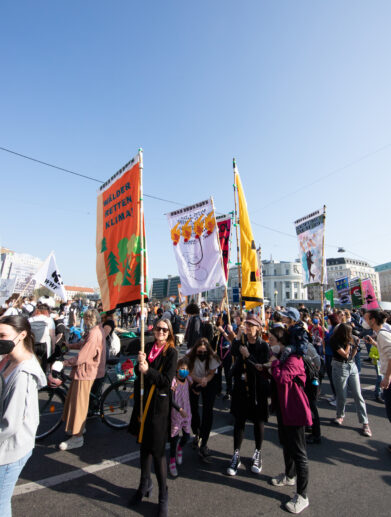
pixel 161 329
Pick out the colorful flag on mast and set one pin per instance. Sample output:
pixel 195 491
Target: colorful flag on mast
pixel 369 295
pixel 50 277
pixel 196 247
pixel 356 292
pixel 252 288
pixel 118 242
pixel 224 225
pixel 329 296
pixel 342 285
pixel 310 233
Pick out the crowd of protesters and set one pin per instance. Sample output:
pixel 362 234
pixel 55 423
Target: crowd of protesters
pixel 271 363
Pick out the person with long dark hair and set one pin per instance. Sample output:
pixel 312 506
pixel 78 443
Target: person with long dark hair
pixel 250 390
pixel 158 365
pixel 203 363
pixel 345 374
pixel 223 350
pixel 19 411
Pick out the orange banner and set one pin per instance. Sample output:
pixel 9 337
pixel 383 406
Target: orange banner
pixel 118 237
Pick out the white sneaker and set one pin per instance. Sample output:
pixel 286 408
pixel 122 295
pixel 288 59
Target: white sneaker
pixel 256 466
pixel 297 504
pixel 179 455
pixel 283 480
pixel 72 443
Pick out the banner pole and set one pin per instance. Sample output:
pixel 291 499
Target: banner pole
pixel 239 264
pixel 142 281
pixel 323 262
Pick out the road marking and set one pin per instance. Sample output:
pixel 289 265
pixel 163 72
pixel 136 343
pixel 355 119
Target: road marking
pixel 27 488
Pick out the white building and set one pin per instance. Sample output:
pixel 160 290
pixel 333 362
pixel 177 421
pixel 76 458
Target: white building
pixel 384 272
pixel 20 266
pixel 75 291
pixel 282 281
pixel 352 268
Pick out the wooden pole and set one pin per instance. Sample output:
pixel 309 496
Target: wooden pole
pixel 323 261
pixel 142 281
pixel 238 263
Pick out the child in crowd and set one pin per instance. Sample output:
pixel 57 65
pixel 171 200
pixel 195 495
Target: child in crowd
pixel 180 414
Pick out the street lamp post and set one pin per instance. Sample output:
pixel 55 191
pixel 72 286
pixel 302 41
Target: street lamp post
pixel 275 298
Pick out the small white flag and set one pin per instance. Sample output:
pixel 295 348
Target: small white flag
pixel 49 277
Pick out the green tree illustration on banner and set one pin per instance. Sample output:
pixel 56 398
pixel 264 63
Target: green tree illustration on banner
pixel 112 264
pixel 123 250
pixel 103 245
pixel 127 276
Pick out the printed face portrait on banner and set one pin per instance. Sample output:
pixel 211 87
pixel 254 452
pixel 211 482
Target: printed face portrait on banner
pixel 195 242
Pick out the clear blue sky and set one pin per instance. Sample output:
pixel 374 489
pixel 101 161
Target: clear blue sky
pixel 294 89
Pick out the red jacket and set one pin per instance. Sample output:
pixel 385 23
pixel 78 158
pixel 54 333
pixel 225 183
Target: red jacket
pixel 290 379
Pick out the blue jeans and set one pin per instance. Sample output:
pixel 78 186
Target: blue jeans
pixel 8 477
pixel 346 375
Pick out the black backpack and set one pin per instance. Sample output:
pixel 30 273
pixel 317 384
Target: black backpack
pixel 311 371
pixel 175 323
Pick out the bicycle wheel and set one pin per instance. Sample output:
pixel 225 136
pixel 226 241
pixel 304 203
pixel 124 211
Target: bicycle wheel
pixel 117 404
pixel 51 404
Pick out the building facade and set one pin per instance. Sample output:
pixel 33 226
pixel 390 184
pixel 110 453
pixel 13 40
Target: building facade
pixel 74 291
pixel 352 268
pixel 384 272
pixel 163 288
pixel 21 267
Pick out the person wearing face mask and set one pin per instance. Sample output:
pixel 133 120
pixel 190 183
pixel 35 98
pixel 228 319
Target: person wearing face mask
pixel 317 333
pixel 293 414
pixel 180 414
pixel 19 413
pixel 203 363
pixel 250 390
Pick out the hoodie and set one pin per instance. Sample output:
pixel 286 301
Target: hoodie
pixel 19 411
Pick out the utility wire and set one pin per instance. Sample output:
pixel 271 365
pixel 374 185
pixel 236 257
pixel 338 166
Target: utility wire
pixel 220 213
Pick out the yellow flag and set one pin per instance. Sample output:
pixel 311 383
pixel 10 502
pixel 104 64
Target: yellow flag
pixel 252 289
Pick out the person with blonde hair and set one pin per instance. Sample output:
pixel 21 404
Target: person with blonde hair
pixel 88 365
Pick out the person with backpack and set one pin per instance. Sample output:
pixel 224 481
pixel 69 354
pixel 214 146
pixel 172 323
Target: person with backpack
pixel 312 366
pixel 293 412
pixel 44 331
pixel 194 325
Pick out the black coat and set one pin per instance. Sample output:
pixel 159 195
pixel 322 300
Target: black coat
pixel 157 422
pixel 249 397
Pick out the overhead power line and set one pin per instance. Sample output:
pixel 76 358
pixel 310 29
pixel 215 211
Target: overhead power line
pixel 182 204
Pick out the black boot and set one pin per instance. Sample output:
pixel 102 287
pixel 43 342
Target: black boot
pixel 163 504
pixel 143 490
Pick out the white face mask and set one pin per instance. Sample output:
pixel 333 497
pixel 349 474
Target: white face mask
pixel 275 349
pixel 365 325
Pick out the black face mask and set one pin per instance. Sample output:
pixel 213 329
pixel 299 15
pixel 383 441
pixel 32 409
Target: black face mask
pixel 202 356
pixel 6 346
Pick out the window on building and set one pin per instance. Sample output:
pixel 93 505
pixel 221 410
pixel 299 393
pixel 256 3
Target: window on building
pixel 287 272
pixel 296 284
pixel 287 284
pixel 275 272
pixel 287 295
pixel 296 296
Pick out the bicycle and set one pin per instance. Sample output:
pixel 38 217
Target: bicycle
pixel 113 404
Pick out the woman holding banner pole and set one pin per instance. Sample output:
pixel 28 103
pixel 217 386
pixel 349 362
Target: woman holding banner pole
pixel 158 367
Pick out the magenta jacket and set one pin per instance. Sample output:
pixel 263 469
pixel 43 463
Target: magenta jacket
pixel 294 405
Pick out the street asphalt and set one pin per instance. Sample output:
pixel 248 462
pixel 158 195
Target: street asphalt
pixel 349 474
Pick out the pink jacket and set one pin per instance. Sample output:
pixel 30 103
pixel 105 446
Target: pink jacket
pixel 90 363
pixel 295 408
